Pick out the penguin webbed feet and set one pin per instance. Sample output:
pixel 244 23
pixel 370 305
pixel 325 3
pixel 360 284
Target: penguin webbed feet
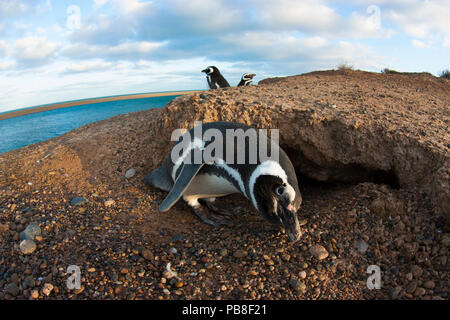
pixel 204 213
pixel 222 211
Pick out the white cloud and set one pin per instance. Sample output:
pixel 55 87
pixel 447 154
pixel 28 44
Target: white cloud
pixel 128 6
pixel 446 42
pixel 5 65
pixel 287 51
pixel 305 15
pixel 3 48
pixel 88 66
pixel 208 15
pixel 17 8
pixel 423 19
pixel 419 44
pixel 126 49
pixel 12 8
pixel 34 49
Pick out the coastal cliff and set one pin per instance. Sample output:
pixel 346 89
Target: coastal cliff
pixel 372 155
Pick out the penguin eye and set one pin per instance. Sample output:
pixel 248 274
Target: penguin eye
pixel 280 190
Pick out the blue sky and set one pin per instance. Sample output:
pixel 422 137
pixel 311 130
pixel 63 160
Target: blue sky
pixel 58 50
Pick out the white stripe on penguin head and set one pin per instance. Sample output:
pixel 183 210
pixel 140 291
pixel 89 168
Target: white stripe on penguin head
pixel 272 168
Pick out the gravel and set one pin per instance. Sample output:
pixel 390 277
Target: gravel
pixel 128 243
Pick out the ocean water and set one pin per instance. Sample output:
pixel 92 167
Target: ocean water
pixel 31 128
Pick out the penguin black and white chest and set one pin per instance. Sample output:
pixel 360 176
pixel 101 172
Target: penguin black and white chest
pixel 215 78
pixel 246 79
pixel 269 184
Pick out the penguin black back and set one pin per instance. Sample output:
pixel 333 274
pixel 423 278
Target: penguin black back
pixel 215 78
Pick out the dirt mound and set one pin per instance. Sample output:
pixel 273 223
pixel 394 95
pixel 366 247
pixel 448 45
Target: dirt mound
pixel 371 151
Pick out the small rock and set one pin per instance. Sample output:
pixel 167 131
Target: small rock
pixel 121 291
pixel 109 202
pixel 286 257
pixel 302 222
pixel 204 260
pixel 12 289
pixel 362 246
pixel 91 270
pixel 223 252
pixel 130 173
pixel 318 252
pixel 411 287
pixel 3 228
pixel 419 292
pixel 178 237
pixel 34 294
pixel 240 254
pixel 47 289
pixel 269 262
pixel 297 285
pixel 147 254
pixel 416 271
pixel 294 284
pixel 27 246
pixel 302 275
pixel 395 293
pixel 429 284
pixel 173 250
pixel 78 201
pixel 28 282
pixel 30 232
pixel 124 271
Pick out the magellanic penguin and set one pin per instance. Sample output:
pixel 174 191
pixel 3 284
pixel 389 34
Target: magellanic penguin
pixel 270 185
pixel 246 79
pixel 215 78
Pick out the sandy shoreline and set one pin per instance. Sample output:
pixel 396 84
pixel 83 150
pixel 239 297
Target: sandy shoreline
pixel 54 106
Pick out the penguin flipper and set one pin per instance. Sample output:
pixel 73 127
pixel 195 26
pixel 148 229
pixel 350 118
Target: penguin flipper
pixel 187 174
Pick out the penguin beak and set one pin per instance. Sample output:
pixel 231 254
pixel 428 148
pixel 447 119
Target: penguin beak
pixel 289 221
pixel 205 70
pixel 251 75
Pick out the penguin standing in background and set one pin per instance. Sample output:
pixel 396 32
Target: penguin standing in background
pixel 215 78
pixel 246 79
pixel 271 185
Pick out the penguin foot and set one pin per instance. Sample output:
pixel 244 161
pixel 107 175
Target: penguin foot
pixel 210 218
pixel 221 211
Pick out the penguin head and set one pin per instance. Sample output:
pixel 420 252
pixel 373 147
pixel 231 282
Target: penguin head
pixel 277 202
pixel 248 76
pixel 210 70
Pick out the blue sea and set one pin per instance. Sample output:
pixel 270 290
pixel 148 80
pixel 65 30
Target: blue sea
pixel 31 128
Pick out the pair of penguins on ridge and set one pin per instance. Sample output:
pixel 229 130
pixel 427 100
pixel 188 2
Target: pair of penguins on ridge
pixel 270 185
pixel 216 80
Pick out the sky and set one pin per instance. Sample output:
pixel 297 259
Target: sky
pixel 59 50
